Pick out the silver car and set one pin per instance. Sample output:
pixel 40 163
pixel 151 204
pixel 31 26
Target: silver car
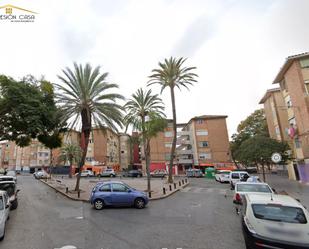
pixel 4 212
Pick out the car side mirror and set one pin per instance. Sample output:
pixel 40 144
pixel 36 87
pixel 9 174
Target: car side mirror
pixel 129 190
pixel 17 191
pixel 273 190
pixel 7 205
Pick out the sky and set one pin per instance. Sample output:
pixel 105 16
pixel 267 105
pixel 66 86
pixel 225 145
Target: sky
pixel 238 46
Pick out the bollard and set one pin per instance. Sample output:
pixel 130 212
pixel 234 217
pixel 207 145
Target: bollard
pixel 149 194
pixel 186 180
pixel 179 183
pixel 67 190
pixel 175 186
pixel 170 187
pixel 164 191
pixel 78 194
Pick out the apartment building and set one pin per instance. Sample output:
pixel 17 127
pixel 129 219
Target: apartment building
pixel 201 142
pixel 126 151
pixel 293 79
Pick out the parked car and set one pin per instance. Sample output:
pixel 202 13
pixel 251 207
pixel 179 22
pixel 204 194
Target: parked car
pixel 194 173
pixel 253 179
pixel 115 193
pixel 237 176
pixel 4 212
pixel 10 188
pixel 12 173
pixel 158 173
pixel 108 172
pixel 222 176
pixel 41 174
pixel 133 173
pixel 276 221
pixel 251 170
pixel 7 178
pixel 86 173
pixel 242 188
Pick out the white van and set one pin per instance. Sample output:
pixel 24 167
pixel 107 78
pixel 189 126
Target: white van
pixel 235 176
pixel 4 212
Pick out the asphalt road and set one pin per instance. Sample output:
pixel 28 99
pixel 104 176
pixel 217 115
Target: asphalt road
pixel 200 216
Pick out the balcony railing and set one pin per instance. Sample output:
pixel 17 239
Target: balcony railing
pixel 185 161
pixel 184 152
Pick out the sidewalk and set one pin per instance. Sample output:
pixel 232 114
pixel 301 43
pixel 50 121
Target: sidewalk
pixel 293 188
pixel 65 186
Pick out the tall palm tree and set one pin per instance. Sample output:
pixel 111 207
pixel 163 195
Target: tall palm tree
pixel 171 73
pixel 144 104
pixel 85 99
pixel 71 153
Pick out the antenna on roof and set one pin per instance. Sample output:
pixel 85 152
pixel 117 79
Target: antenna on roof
pixel 271 197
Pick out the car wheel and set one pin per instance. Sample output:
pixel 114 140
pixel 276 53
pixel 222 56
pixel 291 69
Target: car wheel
pixel 14 204
pixel 139 203
pixel 98 204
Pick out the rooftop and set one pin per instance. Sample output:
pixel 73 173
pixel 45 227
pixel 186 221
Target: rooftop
pixel 268 94
pixel 288 62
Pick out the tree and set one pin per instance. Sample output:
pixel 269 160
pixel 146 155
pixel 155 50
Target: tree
pixel 142 105
pixel 25 110
pixel 70 153
pixel 171 73
pixel 84 98
pixel 258 150
pixel 253 125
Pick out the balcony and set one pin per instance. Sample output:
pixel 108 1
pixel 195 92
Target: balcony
pixel 183 141
pixel 185 161
pixel 184 133
pixel 184 152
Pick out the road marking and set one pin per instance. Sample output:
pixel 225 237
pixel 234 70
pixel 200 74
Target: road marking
pixel 198 190
pixel 67 247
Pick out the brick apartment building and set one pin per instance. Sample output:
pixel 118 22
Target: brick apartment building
pixel 287 112
pixel 201 142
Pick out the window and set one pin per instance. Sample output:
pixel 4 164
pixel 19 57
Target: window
pixel 118 187
pixel 283 85
pixel 297 143
pixel 168 134
pixel 304 62
pixel 307 86
pixel 292 121
pixel 106 188
pixel 204 156
pixel 279 213
pixel 167 156
pixel 235 176
pixel 168 145
pixel 203 144
pixel 288 101
pixel 201 132
pixel 200 121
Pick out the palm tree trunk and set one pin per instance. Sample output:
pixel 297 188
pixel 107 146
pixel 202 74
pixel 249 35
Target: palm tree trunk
pixel 148 165
pixel 170 172
pixel 86 129
pixel 146 154
pixel 70 167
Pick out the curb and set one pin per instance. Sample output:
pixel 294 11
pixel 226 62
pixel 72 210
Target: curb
pixel 87 201
pixel 64 194
pixel 169 194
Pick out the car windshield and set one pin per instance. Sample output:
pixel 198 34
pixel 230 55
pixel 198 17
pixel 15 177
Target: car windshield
pixel 279 213
pixel 8 187
pixel 1 203
pixel 253 188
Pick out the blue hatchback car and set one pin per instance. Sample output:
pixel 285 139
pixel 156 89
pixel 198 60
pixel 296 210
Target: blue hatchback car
pixel 115 193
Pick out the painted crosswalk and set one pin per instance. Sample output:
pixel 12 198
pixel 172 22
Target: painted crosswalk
pixel 198 190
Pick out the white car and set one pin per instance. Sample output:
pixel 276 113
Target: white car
pixel 108 172
pixel 12 173
pixel 236 176
pixel 242 188
pixel 4 212
pixel 41 174
pixel 86 173
pixel 274 221
pixel 223 176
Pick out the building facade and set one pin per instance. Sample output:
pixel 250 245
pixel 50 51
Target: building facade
pixel 293 79
pixel 201 142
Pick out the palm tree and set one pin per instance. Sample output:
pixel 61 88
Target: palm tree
pixel 144 104
pixel 171 73
pixel 71 153
pixel 85 99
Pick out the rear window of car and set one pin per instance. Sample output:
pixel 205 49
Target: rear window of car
pixel 253 188
pixel 279 213
pixel 235 176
